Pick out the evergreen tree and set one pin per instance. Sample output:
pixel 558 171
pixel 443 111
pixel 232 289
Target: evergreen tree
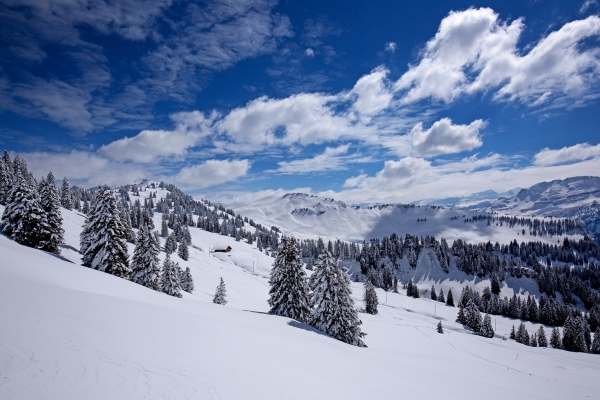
pixel 289 292
pixel 183 252
pixel 541 337
pixel 433 294
pixel 533 340
pixel 513 334
pixel 220 294
pixel 332 304
pixel 555 340
pixel 65 199
pixel 24 219
pixel 102 243
pixel 370 298
pixel 486 329
pixel 86 207
pixel 415 292
pixel 6 181
pixel 450 299
pixel 395 284
pixel 595 349
pixel 440 328
pixel 171 244
pixel 441 298
pixel 473 316
pixel 187 281
pixel 50 202
pixel 127 228
pixel 145 267
pixel 495 285
pixel 164 227
pixel 409 288
pixel 169 278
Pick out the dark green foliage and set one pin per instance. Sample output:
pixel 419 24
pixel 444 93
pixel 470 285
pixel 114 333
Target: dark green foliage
pixel 370 298
pixel 450 299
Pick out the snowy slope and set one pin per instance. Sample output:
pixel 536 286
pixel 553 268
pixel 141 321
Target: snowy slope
pixel 69 332
pixel 309 216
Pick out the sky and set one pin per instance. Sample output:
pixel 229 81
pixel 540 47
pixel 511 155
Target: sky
pixel 366 102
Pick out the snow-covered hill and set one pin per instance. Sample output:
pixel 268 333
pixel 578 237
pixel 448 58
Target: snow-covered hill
pixel 69 332
pixel 309 216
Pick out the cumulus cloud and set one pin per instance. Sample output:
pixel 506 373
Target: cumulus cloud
pixel 578 152
pixel 212 172
pixel 372 93
pixel 444 137
pixel 149 145
pixel 474 51
pixel 309 52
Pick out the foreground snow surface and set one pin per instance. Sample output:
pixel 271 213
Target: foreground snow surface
pixel 69 332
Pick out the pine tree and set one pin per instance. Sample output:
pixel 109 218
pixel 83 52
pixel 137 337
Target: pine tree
pixel 289 292
pixel 164 227
pixel 171 244
pixel 409 288
pixel 370 298
pixel 555 340
pixel 513 335
pixel 533 340
pixel 473 316
pixel 332 304
pixel 220 294
pixel 495 285
pixel 145 267
pixel 433 294
pixel 169 278
pixel 440 328
pixel 24 219
pixel 522 335
pixel 486 329
pixel 126 222
pixel 450 299
pixel 183 252
pixel 441 298
pixel 187 281
pixel 65 199
pixel 50 202
pixel 102 243
pixel 595 349
pixel 6 180
pixel 541 337
pixel 86 207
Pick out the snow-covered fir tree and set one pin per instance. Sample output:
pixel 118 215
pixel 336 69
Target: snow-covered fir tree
pixel 441 297
pixel 522 336
pixel 220 294
pixel 370 298
pixel 164 226
pixel 24 219
pixel 127 228
pixel 486 329
pixel 171 244
pixel 169 278
pixel 187 281
pixel 533 340
pixel 65 195
pixel 574 334
pixel 433 294
pixel 541 337
pixel 6 180
pixel 145 266
pixel 513 334
pixel 450 298
pixel 332 304
pixel 440 328
pixel 555 339
pixel 86 207
pixel 102 244
pixel 289 292
pixel 183 252
pixel 595 349
pixel 50 202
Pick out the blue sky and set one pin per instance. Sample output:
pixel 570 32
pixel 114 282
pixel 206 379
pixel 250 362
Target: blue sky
pixel 382 101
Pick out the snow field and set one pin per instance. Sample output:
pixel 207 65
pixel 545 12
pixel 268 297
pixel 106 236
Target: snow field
pixel 69 332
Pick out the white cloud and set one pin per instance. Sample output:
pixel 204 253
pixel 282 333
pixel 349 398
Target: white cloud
pixel 212 172
pixel 587 4
pixel 444 137
pixel 149 145
pixel 390 46
pixel 473 51
pixel 303 118
pixel 332 159
pixel 577 152
pixel 372 93
pixel 309 52
pixel 84 168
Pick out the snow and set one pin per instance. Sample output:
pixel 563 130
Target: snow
pixel 70 332
pixel 309 217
